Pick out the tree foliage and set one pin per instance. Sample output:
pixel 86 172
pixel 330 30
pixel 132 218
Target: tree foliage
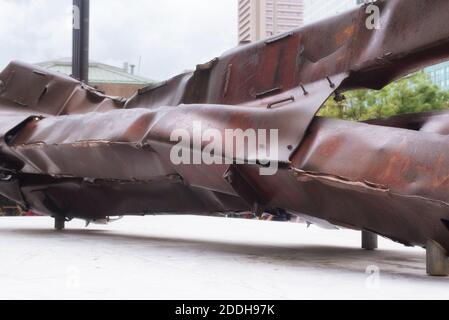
pixel 412 94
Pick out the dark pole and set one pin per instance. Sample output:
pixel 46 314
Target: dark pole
pixel 80 54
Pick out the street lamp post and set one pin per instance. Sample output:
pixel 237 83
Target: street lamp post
pixel 80 54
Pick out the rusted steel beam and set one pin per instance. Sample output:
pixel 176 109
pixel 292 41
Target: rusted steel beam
pixel 69 151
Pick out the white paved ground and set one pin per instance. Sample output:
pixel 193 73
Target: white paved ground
pixel 203 258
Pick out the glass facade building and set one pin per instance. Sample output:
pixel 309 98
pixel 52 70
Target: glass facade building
pixel 440 74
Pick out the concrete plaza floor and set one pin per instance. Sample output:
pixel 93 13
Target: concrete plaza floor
pixel 186 257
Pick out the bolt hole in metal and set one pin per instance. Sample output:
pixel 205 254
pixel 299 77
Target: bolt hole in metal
pixel 280 102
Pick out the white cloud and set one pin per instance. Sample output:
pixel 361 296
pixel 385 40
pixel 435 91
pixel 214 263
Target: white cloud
pixel 169 36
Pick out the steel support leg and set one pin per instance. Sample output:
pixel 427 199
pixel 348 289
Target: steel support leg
pixel 369 240
pixel 59 223
pixel 437 260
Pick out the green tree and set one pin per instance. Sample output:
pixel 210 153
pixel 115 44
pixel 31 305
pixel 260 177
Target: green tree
pixel 415 93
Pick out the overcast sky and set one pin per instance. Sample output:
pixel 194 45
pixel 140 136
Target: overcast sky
pixel 169 35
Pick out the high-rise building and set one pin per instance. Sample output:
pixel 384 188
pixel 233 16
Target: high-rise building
pixel 259 19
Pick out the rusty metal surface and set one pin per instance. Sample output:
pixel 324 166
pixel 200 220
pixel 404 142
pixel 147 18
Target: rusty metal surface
pixel 68 150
